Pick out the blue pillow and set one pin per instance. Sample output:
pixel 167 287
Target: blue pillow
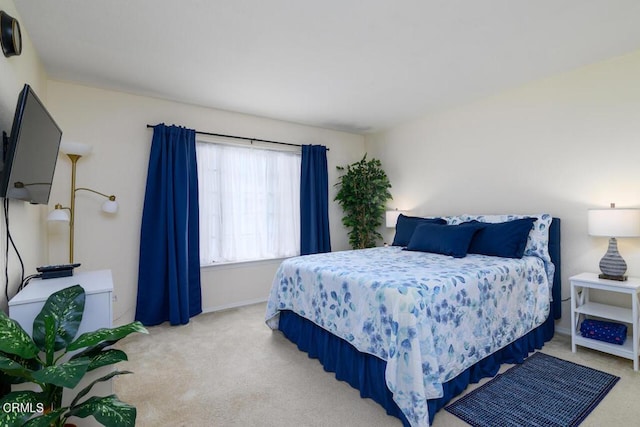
pixel 450 240
pixel 503 239
pixel 406 225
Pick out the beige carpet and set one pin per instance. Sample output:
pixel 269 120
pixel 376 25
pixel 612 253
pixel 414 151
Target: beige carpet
pixel 229 369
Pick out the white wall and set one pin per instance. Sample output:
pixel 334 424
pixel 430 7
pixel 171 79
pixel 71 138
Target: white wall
pixel 26 221
pixel 114 123
pixel 561 146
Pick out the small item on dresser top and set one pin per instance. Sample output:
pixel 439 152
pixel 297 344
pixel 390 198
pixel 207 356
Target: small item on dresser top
pixel 53 271
pixel 611 332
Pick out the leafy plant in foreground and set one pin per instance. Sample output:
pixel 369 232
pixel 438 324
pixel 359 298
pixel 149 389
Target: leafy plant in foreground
pixel 54 359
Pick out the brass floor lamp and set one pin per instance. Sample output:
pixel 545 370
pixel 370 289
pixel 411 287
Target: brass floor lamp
pixel 75 151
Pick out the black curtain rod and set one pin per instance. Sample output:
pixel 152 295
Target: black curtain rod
pixel 244 137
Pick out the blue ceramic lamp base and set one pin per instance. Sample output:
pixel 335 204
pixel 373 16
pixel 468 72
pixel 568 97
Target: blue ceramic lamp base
pixel 612 265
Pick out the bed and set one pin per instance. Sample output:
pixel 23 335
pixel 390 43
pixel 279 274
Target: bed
pixel 410 328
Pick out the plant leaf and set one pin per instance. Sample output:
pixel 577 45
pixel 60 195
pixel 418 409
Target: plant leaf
pixel 93 351
pixel 13 368
pixel 49 339
pixel 109 411
pixel 96 354
pixel 86 390
pixel 67 374
pixel 65 307
pixel 46 420
pixel 89 339
pixel 25 399
pixel 14 340
pixel 107 357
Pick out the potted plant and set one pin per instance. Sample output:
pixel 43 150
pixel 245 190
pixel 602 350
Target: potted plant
pixel 54 359
pixel 363 194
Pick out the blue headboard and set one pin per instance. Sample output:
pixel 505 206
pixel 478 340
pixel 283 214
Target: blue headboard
pixel 554 251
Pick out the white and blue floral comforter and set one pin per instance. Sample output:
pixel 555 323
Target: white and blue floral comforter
pixel 429 316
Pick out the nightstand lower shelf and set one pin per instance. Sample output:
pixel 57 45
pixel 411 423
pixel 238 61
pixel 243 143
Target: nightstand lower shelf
pixel 625 350
pixel 605 311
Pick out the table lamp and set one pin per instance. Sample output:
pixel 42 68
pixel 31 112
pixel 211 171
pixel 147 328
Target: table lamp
pixel 613 223
pixel 391 217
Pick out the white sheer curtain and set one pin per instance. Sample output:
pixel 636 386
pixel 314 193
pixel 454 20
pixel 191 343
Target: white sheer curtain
pixel 249 203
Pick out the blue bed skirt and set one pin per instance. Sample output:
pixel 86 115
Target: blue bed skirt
pixel 366 372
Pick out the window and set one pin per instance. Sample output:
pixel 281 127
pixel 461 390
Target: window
pixel 249 203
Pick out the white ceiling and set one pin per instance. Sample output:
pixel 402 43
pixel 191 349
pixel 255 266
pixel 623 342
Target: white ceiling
pixel 360 66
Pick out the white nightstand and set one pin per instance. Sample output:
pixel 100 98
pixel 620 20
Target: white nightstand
pixel 582 306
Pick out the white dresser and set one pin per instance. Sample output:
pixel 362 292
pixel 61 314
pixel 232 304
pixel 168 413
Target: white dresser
pixel 98 287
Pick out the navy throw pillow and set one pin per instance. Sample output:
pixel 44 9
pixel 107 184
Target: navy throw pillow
pixel 503 239
pixel 452 240
pixel 406 225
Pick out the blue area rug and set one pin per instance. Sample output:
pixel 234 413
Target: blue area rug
pixel 542 391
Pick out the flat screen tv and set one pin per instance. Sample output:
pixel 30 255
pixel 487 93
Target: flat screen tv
pixel 30 152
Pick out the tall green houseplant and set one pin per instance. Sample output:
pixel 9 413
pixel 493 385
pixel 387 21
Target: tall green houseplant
pixel 363 194
pixel 55 359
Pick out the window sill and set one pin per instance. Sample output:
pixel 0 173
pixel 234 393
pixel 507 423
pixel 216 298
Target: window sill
pixel 240 264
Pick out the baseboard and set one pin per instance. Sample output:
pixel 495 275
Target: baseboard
pixel 563 331
pixel 234 305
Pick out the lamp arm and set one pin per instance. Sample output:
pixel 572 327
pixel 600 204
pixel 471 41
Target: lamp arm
pixel 110 197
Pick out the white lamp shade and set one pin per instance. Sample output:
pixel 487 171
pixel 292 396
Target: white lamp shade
pixel 77 148
pixel 391 218
pixel 110 206
pixel 58 215
pixel 614 222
